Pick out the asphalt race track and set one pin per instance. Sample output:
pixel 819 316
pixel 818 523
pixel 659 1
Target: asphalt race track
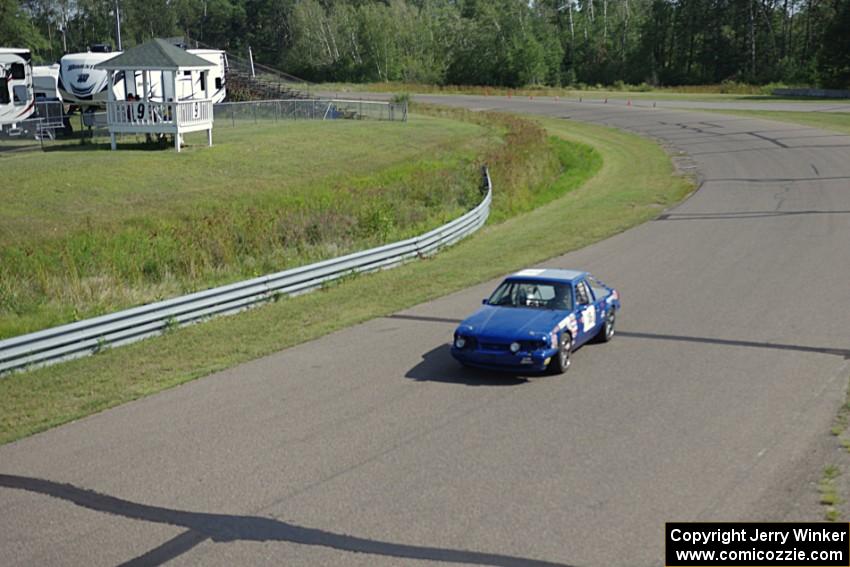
pixel 371 447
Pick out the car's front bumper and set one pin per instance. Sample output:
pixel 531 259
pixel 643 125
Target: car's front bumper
pixel 523 361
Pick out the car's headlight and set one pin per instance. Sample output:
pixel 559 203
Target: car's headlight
pixel 460 342
pixel 514 347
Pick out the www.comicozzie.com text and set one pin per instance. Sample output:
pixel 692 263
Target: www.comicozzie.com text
pixel 727 536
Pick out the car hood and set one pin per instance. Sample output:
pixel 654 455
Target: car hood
pixel 512 322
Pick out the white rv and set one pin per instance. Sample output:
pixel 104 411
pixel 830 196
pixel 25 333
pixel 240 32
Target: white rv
pixel 82 85
pixel 45 82
pixel 218 89
pixel 17 100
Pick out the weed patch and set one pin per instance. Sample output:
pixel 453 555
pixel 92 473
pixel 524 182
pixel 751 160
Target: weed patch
pixel 148 244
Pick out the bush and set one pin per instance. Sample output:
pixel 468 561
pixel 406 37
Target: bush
pixel 401 98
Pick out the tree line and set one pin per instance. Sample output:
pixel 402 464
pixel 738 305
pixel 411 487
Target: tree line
pixel 484 42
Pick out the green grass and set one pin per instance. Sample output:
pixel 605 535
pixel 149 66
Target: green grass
pixel 829 497
pixel 836 121
pixel 84 231
pixel 829 490
pixel 58 192
pixel 633 182
pixel 697 93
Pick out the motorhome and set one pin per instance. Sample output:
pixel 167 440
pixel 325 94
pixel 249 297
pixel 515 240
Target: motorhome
pixel 17 100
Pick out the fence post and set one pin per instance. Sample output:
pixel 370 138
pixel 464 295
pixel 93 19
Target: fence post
pixel 232 117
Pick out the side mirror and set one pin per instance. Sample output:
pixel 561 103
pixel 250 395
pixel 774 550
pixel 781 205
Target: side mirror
pixel 484 301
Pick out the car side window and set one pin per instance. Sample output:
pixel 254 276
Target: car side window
pixel 583 296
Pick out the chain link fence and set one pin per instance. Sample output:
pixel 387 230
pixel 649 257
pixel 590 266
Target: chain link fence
pixel 49 128
pixel 244 113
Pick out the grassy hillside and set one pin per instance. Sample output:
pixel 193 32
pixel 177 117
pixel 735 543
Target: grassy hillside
pixel 85 231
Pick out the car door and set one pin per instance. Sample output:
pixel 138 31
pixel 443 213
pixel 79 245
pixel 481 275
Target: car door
pixel 587 312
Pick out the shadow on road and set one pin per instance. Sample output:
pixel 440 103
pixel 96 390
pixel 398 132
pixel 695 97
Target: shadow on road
pixel 438 366
pixel 228 528
pixel 845 353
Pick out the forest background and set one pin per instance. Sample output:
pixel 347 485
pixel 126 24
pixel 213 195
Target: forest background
pixel 475 42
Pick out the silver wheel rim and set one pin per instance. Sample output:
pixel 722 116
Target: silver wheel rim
pixel 565 353
pixel 609 325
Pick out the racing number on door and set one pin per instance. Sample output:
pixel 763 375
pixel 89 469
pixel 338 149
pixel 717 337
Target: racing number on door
pixel 588 318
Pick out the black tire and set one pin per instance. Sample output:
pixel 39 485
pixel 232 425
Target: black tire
pixel 563 359
pixel 606 333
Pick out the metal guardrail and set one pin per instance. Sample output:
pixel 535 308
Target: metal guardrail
pixel 90 336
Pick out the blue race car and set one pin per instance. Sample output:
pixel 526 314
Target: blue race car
pixel 535 319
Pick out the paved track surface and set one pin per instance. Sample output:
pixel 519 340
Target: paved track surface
pixel 371 447
pixel 623 99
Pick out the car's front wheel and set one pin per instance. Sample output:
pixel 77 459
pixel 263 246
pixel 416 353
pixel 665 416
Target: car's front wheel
pixel 563 358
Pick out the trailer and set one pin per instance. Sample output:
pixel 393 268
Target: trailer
pixel 45 82
pixel 194 89
pixel 80 84
pixel 84 86
pixel 17 99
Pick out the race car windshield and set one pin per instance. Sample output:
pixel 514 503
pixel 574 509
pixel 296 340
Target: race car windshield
pixel 537 295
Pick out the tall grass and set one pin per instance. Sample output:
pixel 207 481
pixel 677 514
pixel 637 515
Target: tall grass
pixel 106 265
pixel 731 88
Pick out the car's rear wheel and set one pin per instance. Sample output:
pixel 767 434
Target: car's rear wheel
pixel 606 333
pixel 563 358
